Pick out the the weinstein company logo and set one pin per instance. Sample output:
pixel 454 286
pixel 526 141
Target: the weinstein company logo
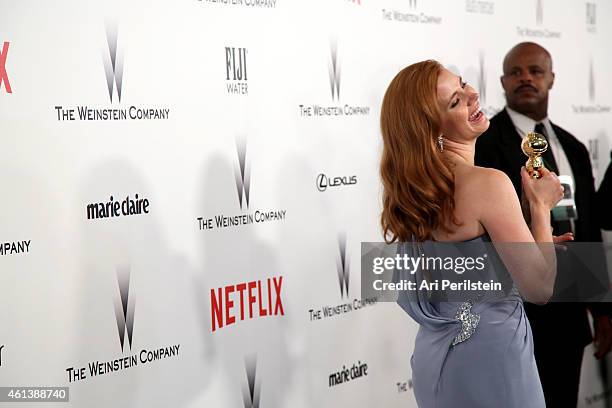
pixel 112 59
pixel 410 17
pixel 593 106
pixel 482 77
pixel 15 247
pixel 243 175
pixel 252 391
pixel 323 182
pixel 124 309
pixel 242 3
pixel 3 74
pixel 124 303
pixel 236 71
pixel 338 110
pixel 539 19
pixel 539 12
pixel 113 66
pixel 343 274
pixel 591 17
pixel 334 73
pixel 342 267
pixel 258 298
pixel 243 185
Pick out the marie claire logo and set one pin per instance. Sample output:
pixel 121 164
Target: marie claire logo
pixel 357 370
pixel 124 304
pixel 480 6
pixel 3 74
pixel 323 182
pixel 343 272
pixel 15 247
pixel 252 392
pixel 243 185
pixel 115 208
pixel 242 3
pixel 112 56
pixel 236 70
pixel 411 17
pixel 315 110
pixel 591 17
pixel 539 20
pixel 593 106
pixel 255 299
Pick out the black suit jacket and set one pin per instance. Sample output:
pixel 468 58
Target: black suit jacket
pixel 604 198
pixel 500 147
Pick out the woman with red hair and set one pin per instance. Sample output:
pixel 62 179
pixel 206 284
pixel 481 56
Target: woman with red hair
pixel 474 353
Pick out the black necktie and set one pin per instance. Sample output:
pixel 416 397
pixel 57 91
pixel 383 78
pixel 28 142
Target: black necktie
pixel 559 226
pixel 548 157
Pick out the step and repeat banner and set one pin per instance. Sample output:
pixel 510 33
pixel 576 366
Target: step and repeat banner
pixel 186 184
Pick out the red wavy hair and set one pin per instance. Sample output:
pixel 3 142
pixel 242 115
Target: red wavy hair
pixel 419 187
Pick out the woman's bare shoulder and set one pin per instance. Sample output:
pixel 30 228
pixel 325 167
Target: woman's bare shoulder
pixel 486 183
pixel 482 175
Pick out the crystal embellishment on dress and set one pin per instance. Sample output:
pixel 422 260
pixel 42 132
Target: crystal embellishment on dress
pixel 469 322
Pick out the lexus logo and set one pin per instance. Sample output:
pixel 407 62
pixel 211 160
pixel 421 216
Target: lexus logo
pixel 124 309
pixel 113 66
pixel 3 74
pixel 323 182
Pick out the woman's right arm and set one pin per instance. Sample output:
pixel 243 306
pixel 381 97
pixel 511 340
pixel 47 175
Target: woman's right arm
pixel 528 255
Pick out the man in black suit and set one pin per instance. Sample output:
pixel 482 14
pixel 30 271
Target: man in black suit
pixel 560 330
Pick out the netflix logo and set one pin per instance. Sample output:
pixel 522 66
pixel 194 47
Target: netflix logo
pixel 246 300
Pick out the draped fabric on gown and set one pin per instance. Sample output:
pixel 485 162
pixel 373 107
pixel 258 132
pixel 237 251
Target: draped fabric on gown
pixel 494 366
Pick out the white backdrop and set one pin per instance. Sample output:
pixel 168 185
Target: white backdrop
pixel 310 75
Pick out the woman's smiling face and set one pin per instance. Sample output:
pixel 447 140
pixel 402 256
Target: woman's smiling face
pixel 460 114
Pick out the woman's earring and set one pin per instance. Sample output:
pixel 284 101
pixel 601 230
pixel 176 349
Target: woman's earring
pixel 441 143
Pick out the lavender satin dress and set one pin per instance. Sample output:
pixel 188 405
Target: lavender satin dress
pixel 474 353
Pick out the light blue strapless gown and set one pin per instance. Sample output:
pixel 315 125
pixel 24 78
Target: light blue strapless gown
pixel 481 358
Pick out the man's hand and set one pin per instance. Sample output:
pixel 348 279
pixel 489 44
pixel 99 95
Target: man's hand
pixel 603 336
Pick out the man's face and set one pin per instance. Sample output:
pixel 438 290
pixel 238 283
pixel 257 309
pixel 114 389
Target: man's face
pixel 527 79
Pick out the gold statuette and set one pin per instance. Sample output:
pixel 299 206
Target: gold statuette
pixel 534 145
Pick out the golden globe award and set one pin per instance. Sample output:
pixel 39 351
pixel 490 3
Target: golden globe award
pixel 534 145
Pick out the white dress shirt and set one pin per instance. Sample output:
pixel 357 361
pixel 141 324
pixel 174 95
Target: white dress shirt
pixel 524 125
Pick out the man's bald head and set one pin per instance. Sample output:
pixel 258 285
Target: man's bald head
pixel 527 79
pixel 526 48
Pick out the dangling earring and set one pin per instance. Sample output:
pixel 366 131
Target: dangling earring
pixel 441 143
